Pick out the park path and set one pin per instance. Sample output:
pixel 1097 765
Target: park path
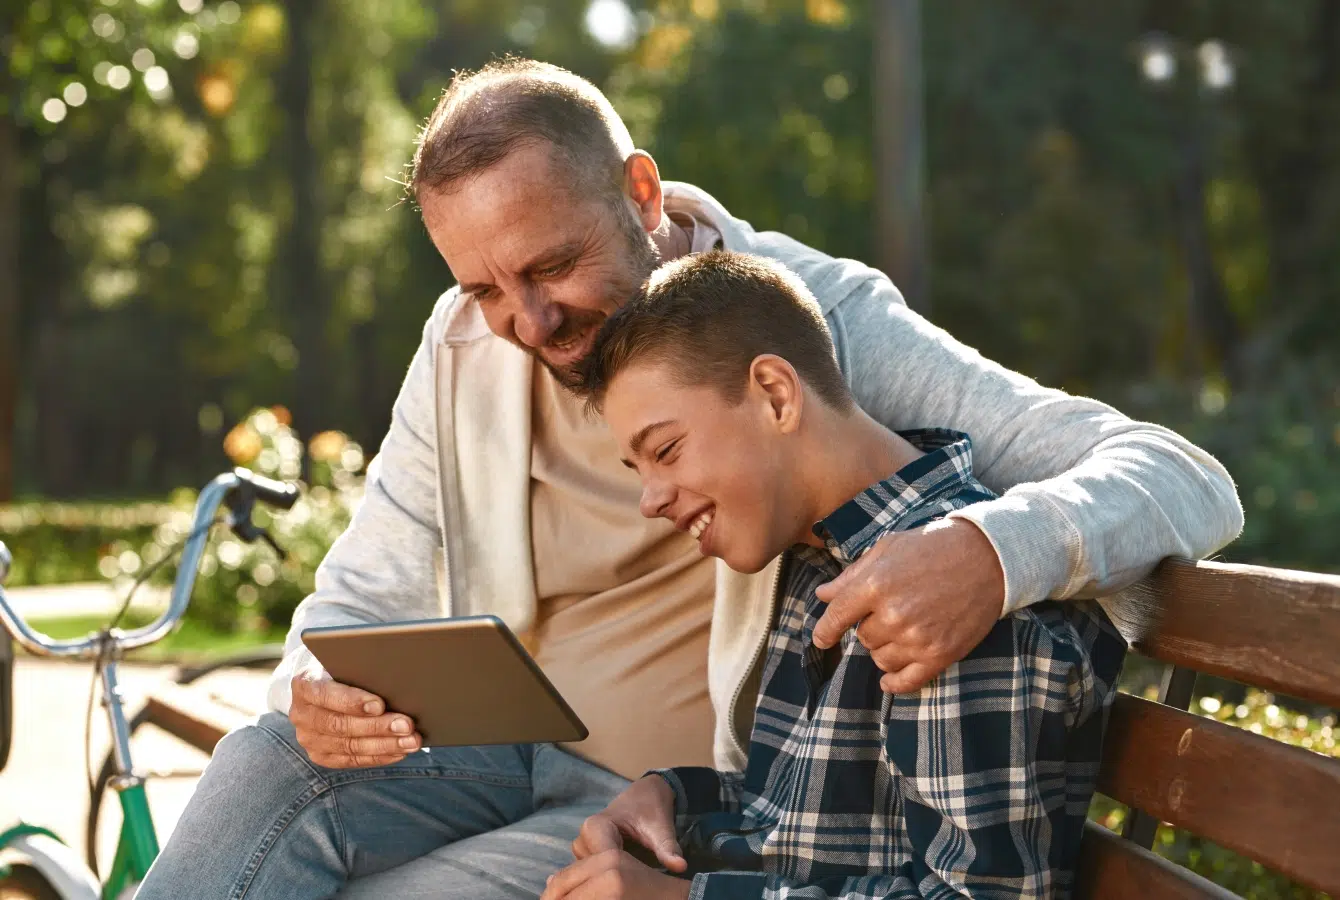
pixel 44 782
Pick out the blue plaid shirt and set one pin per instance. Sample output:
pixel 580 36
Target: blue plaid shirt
pixel 975 786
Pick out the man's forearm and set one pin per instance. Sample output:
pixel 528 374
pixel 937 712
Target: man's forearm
pixel 1092 500
pixel 1099 527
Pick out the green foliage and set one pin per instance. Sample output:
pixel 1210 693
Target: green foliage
pixel 58 543
pixel 1282 446
pixel 241 587
pixel 244 586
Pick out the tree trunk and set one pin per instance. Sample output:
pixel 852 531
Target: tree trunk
pixel 1209 318
pixel 9 283
pixel 307 300
pixel 900 231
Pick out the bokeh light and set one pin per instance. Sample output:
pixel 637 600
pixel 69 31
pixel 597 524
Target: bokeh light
pixel 1216 66
pixel 611 23
pixel 191 7
pixel 104 26
pixel 157 84
pixel 118 78
pixel 229 12
pixel 75 94
pixel 54 110
pixel 1157 60
pixel 142 59
pixel 186 45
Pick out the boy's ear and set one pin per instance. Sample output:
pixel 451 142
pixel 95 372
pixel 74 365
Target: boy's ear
pixel 779 387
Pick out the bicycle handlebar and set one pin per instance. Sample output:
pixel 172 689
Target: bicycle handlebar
pixel 224 489
pixel 279 494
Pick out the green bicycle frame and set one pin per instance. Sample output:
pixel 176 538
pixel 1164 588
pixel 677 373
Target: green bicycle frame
pixel 138 845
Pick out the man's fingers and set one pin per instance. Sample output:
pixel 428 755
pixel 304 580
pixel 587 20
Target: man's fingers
pixel 325 722
pixel 337 697
pixel 892 657
pixel 910 678
pixel 848 603
pixel 340 761
pixel 365 747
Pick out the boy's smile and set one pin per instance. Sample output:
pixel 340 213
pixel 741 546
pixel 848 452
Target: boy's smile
pixel 709 466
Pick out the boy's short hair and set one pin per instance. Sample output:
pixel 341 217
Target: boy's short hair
pixel 708 316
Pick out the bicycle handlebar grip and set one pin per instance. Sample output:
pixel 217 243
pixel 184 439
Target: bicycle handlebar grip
pixel 273 493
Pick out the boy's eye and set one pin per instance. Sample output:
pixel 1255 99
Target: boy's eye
pixel 661 453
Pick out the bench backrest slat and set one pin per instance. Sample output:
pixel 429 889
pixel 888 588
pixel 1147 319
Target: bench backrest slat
pixel 1275 803
pixel 1273 628
pixel 1115 869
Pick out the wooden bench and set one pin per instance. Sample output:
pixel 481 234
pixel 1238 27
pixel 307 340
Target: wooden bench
pixel 1279 805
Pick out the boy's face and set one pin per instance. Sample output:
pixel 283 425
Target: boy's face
pixel 717 471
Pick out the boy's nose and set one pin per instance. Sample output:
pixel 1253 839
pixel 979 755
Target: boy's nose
pixel 656 497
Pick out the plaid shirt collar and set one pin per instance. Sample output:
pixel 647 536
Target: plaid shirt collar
pixel 854 527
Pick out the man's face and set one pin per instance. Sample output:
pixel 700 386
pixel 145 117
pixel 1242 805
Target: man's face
pixel 546 265
pixel 716 470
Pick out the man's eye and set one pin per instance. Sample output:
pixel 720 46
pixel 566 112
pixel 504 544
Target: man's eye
pixel 661 454
pixel 554 270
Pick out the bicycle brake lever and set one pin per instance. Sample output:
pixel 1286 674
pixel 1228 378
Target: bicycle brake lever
pixel 274 545
pixel 249 532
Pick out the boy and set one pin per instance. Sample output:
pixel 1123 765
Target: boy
pixel 720 384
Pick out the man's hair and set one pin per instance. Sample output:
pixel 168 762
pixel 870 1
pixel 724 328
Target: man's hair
pixel 707 317
pixel 485 115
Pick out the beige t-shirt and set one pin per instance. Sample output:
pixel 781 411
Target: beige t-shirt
pixel 625 603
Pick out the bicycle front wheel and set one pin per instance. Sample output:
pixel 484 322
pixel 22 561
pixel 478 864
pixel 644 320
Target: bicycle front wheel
pixel 26 883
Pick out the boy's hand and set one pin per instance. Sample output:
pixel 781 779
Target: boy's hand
pixel 924 599
pixel 645 813
pixel 613 875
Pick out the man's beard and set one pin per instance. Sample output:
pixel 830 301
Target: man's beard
pixel 642 260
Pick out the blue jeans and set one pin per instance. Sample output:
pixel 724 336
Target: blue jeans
pixel 483 823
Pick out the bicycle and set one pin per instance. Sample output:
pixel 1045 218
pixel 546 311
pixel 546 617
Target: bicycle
pixel 34 862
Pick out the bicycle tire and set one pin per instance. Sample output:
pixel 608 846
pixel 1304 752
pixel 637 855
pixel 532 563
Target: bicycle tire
pixel 26 883
pixel 262 657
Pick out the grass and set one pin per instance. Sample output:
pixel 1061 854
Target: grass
pixel 190 643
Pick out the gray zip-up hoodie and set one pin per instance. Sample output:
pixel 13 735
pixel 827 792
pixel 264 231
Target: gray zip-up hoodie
pixel 1091 500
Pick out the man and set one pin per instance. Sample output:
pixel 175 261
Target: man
pixel 493 493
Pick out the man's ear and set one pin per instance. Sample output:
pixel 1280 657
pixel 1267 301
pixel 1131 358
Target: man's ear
pixel 778 385
pixel 642 187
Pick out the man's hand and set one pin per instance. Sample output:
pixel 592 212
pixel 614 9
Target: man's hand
pixel 613 875
pixel 644 812
pixel 924 599
pixel 342 727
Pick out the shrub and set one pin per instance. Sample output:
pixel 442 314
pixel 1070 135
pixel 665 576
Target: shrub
pixel 246 586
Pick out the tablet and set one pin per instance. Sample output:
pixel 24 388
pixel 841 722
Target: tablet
pixel 465 681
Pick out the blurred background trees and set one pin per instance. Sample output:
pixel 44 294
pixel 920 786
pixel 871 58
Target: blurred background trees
pixel 200 214
pixel 205 255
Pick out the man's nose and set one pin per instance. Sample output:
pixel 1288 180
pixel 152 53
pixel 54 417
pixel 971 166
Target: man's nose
pixel 536 320
pixel 656 498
